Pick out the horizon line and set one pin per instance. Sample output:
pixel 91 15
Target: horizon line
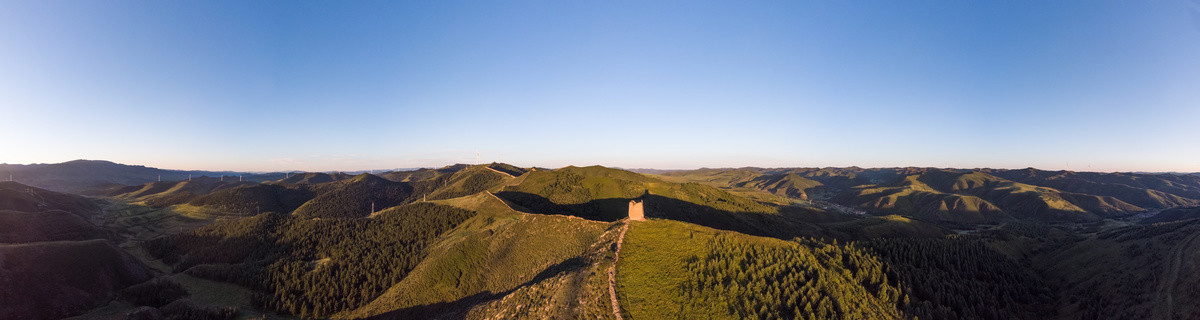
pixel 397 169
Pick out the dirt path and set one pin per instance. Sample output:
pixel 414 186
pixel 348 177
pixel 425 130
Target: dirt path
pixel 612 272
pixel 1166 287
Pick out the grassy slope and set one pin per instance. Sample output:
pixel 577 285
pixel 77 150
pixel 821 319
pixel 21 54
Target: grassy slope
pixel 467 181
pixel 354 197
pixel 1122 272
pixel 18 197
pixel 23 227
pixel 787 184
pixel 714 177
pixel 1174 214
pixel 603 194
pixel 976 197
pixel 891 226
pixel 313 178
pixel 658 278
pixel 495 252
pixel 916 199
pixel 254 199
pixel 45 280
pixel 782 184
pixel 162 194
pixel 1143 190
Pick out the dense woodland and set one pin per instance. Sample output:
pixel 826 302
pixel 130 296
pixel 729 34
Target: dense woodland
pixel 255 199
pixel 356 197
pixel 801 280
pixel 961 278
pixel 311 267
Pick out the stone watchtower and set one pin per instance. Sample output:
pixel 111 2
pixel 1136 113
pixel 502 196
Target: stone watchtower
pixel 636 211
pixel 637 208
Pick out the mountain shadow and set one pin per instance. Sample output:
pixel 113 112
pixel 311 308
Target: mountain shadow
pixel 613 209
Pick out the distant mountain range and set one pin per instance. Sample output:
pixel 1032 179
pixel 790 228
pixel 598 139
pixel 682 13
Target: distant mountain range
pixel 78 175
pixel 968 195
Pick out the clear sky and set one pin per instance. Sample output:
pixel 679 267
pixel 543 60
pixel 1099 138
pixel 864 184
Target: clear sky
pixel 347 85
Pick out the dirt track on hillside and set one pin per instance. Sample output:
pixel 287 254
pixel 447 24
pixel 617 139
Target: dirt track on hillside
pixel 1166 287
pixel 612 273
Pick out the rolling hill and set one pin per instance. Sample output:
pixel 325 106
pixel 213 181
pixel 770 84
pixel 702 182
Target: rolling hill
pixel 1151 191
pixel 45 280
pixel 976 197
pixel 52 225
pixel 496 241
pixel 254 199
pixel 313 178
pixel 354 197
pixel 162 194
pixel 502 258
pixel 784 184
pixel 29 214
pixel 462 181
pixel 19 197
pixel 287 259
pixel 81 175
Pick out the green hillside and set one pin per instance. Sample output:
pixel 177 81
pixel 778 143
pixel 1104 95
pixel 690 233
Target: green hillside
pixel 602 193
pixel 46 280
pixel 715 177
pixel 1174 214
pixel 1143 190
pixel 1130 272
pixel 462 182
pixel 493 258
pixel 55 225
pixel 976 197
pixel 422 174
pixel 18 197
pixel 354 197
pixel 790 185
pixel 253 199
pixel 915 199
pixel 313 178
pixel 163 194
pixel 676 270
pixel 783 184
pixel 310 267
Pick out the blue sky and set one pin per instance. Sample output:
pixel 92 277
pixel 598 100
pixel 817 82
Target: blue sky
pixel 251 85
